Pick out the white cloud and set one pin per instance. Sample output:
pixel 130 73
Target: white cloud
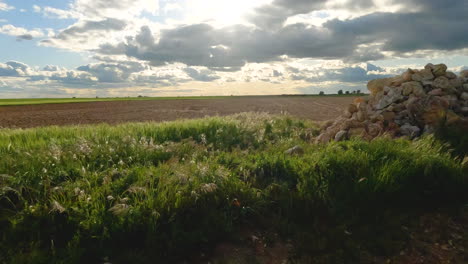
pixel 52 12
pixel 121 9
pixel 5 6
pixel 21 33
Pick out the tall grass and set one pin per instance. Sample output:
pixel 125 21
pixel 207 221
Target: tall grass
pixel 145 192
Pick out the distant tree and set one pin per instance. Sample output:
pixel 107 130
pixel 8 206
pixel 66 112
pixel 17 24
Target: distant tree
pixel 354 92
pixel 358 91
pixel 140 96
pixel 321 93
pixel 347 92
pixel 340 92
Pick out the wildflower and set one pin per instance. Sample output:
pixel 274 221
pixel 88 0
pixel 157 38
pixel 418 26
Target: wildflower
pixel 209 187
pixel 236 203
pixel 136 189
pixel 57 207
pixel 120 209
pixel 110 198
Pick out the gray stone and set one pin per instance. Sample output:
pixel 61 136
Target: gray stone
pixel 450 75
pixel 341 135
pixel 436 92
pixel 410 131
pixel 419 91
pixel 439 70
pixel 464 96
pixel 296 150
pixel 424 75
pixel 464 74
pixel 442 83
pixel 352 108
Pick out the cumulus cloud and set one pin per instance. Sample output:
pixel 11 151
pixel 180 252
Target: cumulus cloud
pixel 5 7
pixel 370 37
pixel 13 69
pixel 112 72
pixel 21 33
pixel 52 12
pixel 114 8
pixel 202 75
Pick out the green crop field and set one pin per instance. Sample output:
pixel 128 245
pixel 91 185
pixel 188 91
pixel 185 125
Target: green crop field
pixel 160 192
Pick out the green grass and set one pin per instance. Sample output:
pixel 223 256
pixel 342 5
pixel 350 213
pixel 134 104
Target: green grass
pixel 147 192
pixel 13 102
pixel 7 102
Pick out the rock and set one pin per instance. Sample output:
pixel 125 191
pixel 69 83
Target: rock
pixel 357 132
pixel 451 118
pixel 324 138
pixel 464 74
pixel 352 108
pixel 456 82
pixel 403 105
pixel 351 123
pixel 296 150
pixel 327 124
pixel 340 136
pixel 378 85
pixel 374 129
pixel 410 131
pixel 442 83
pixel 388 116
pixel 410 87
pixel 407 89
pixel 424 75
pixel 361 116
pixel 439 70
pixel 464 96
pixel 450 75
pixel 437 92
pixel 419 91
pixel 407 76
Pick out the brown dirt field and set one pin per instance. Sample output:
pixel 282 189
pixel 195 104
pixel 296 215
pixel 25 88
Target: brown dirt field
pixel 313 108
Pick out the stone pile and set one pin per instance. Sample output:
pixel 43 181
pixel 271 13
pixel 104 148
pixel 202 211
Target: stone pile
pixel 414 103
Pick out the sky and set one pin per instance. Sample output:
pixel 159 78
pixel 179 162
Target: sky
pixel 110 48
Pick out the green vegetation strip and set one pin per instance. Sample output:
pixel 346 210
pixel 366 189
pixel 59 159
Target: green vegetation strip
pixel 13 102
pixel 138 193
pixel 10 102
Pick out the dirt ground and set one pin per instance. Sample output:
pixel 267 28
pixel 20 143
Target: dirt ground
pixel 313 108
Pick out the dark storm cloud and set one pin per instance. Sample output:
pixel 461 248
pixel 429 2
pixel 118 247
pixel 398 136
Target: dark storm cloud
pixel 355 74
pixel 275 14
pixel 13 69
pixel 73 78
pixel 406 32
pixel 201 75
pixel 105 25
pixel 434 27
pixel 24 37
pixel 112 72
pixel 231 47
pixel 51 68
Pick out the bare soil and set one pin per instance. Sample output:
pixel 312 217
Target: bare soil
pixel 313 108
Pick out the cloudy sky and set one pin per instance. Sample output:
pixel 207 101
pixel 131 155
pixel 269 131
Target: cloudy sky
pixel 87 48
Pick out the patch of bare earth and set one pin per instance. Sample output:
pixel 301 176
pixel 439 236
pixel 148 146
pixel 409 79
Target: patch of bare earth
pixel 313 108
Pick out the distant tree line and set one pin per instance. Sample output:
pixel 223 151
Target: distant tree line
pixel 340 92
